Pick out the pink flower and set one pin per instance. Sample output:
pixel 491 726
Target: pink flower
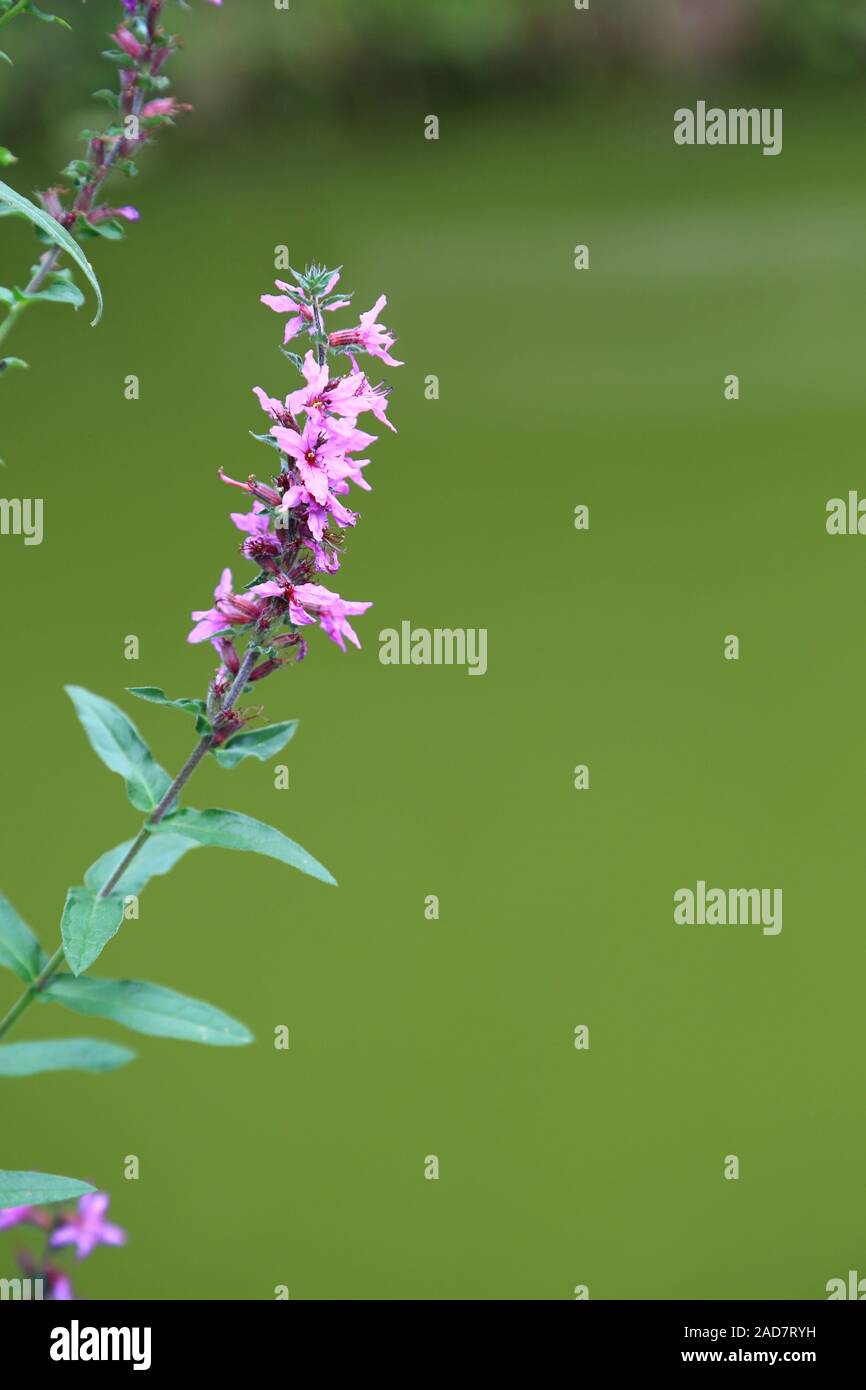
pixel 104 214
pixel 162 107
pixel 229 609
pixel 271 405
pixel 372 398
pixel 307 602
pixel 88 1228
pixel 282 589
pixel 313 449
pixel 323 396
pixel 59 1285
pixel 332 612
pixel 317 515
pixel 294 301
pixel 14 1216
pixel 370 336
pixel 261 543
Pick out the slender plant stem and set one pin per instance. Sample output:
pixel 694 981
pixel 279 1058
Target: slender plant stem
pixel 320 330
pixel 31 991
pixel 10 14
pixel 53 964
pixel 83 203
pixel 13 314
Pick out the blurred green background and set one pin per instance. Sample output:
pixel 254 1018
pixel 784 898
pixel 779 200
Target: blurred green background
pixel 558 387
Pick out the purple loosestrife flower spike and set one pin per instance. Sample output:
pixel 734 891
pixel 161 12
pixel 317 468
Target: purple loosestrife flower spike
pixel 88 1228
pixel 297 521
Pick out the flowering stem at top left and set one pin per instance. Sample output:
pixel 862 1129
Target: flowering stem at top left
pixel 78 210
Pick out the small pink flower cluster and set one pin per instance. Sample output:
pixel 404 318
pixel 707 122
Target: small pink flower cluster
pixel 85 1228
pixel 142 49
pixel 298 519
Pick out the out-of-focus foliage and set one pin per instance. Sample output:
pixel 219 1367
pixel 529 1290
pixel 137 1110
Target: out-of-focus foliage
pixel 362 55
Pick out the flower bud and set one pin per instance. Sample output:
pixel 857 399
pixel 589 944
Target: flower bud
pixel 129 43
pixel 259 672
pixel 228 655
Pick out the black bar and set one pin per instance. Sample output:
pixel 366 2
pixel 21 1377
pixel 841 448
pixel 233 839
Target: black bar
pixel 234 1338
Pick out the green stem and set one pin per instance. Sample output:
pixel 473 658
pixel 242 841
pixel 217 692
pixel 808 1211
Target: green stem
pixel 10 14
pixel 30 993
pixel 320 331
pixel 53 965
pixel 15 310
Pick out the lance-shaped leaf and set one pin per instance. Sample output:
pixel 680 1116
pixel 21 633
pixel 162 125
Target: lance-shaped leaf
pixel 19 949
pixel 88 923
pixel 47 18
pixel 263 744
pixel 58 289
pixel 59 235
pixel 62 1054
pixel 32 1189
pixel 155 696
pixel 232 830
pixel 147 1008
pixel 156 856
pixel 115 739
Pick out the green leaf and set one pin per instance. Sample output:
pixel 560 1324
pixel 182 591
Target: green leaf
pixel 266 439
pixel 232 830
pixel 156 856
pixel 115 739
pixel 62 1054
pixel 146 1008
pixel 112 230
pixel 87 925
pixel 32 1189
pixel 19 949
pixel 6 157
pixel 155 696
pixel 58 235
pixel 263 744
pixel 48 18
pixel 12 362
pixel 60 290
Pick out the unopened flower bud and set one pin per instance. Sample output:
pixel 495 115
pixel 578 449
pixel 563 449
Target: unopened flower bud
pixel 228 655
pixel 129 43
pixel 259 672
